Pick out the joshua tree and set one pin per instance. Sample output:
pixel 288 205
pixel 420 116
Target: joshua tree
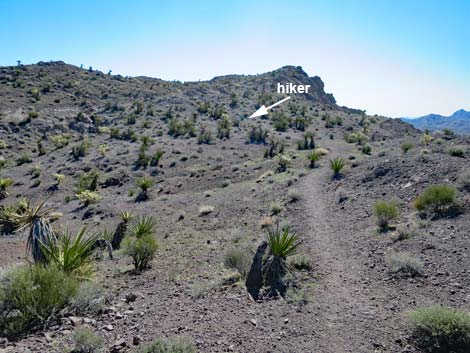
pixel 4 184
pixel 40 230
pixel 121 229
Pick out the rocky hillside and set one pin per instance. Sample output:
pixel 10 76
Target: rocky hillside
pixel 459 122
pixel 177 171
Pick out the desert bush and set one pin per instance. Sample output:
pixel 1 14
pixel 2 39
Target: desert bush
pixel 80 150
pixel 205 136
pixel 103 149
pixel 426 139
pixel 356 137
pixel 385 212
pixel 239 260
pixel 294 195
pixel 257 135
pixel 407 146
pixel 280 121
pixel 157 156
pixel 224 125
pixel 205 210
pixel 275 208
pixel 448 132
pixel 283 162
pixel 456 151
pixel 298 297
pixel 5 183
pixel 90 299
pixel 60 141
pixel 24 158
pixel 275 148
pixel 337 164
pixel 31 296
pixel 85 340
pixel 366 149
pixel 405 264
pixel 440 330
pixel 405 232
pixel 88 181
pixel 3 162
pixel 300 262
pixel 59 178
pixel 464 180
pixel 71 254
pixel 145 184
pixel 87 197
pixel 142 249
pixel 168 345
pixel 436 198
pixel 314 157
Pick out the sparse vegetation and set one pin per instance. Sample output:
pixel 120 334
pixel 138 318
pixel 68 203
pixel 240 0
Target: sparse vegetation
pixel 169 345
pixel 314 157
pixel 88 197
pixel 87 341
pixel 385 212
pixel 141 249
pixel 438 329
pixel 5 183
pixel 405 264
pixel 145 184
pixel 436 198
pixel 238 259
pixel 337 165
pixel 407 146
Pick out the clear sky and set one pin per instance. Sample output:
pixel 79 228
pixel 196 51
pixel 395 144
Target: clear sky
pixel 396 57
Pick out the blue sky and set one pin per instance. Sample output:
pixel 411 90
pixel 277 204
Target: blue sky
pixel 396 58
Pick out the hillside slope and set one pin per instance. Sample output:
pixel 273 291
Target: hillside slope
pixel 222 179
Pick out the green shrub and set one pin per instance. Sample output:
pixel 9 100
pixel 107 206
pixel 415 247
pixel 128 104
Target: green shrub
pixel 300 262
pixel 407 146
pixel 436 198
pixel 366 149
pixel 143 226
pixel 5 183
pixel 337 164
pixel 71 254
pixel 356 137
pixel 294 195
pixel 314 157
pixel 275 208
pixel 385 212
pixel 257 135
pixel 283 162
pixel 87 197
pixel 169 345
pixel 23 159
pixel 90 299
pixel 141 249
pixel 145 184
pixel 60 141
pixel 280 121
pixel 85 340
pixel 224 125
pixel 205 136
pixel 456 151
pixel 79 151
pixel 88 181
pixel 31 296
pixel 440 330
pixel 403 263
pixel 238 259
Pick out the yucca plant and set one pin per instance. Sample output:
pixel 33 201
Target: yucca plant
pixel 337 164
pixel 5 183
pixel 40 231
pixel 313 157
pixel 121 229
pixel 282 243
pixel 72 254
pixel 143 226
pixel 145 184
pixel 155 160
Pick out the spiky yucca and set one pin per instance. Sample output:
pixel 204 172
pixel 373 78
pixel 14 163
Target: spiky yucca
pixel 40 231
pixel 282 243
pixel 145 184
pixel 121 229
pixel 71 254
pixel 337 164
pixel 313 157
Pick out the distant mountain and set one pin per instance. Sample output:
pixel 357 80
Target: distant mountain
pixel 459 122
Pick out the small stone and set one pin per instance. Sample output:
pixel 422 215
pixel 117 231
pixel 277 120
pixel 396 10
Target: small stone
pixel 109 327
pixel 75 321
pixel 253 322
pixel 286 320
pixel 130 297
pixel 136 340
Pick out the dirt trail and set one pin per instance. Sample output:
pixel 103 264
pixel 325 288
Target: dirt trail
pixel 349 314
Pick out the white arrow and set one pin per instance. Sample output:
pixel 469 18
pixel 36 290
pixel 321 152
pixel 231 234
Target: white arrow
pixel 264 110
